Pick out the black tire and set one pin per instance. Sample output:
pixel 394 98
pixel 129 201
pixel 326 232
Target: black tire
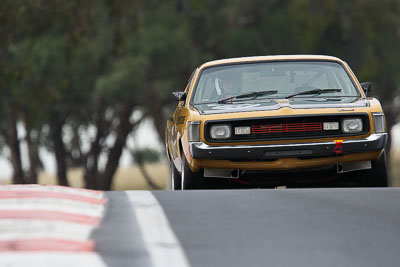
pixel 175 178
pixel 377 175
pixel 191 180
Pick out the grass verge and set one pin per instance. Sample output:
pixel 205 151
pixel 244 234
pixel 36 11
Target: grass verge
pixel 128 178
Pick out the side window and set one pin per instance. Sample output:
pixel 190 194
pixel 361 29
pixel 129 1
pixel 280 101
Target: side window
pixel 190 80
pixel 208 89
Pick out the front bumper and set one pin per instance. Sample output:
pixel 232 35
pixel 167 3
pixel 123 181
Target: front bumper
pixel 200 150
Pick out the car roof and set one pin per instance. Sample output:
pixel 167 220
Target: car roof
pixel 267 58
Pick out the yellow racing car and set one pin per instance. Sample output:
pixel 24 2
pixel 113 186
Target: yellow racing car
pixel 276 120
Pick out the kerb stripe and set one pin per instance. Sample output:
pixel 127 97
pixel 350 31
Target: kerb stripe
pixel 49 216
pixel 44 194
pixel 46 245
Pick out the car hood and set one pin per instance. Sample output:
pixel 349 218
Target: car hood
pixel 275 104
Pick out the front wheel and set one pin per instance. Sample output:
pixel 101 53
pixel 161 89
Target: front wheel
pixel 377 175
pixel 191 180
pixel 175 178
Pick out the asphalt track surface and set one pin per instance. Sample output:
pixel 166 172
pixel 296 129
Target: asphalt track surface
pixel 258 227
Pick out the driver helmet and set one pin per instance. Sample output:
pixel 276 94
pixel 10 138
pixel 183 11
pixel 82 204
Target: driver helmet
pixel 229 81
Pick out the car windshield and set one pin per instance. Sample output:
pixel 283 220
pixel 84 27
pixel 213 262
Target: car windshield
pixel 286 78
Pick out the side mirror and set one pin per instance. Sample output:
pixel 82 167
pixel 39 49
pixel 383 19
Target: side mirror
pixel 179 96
pixel 366 86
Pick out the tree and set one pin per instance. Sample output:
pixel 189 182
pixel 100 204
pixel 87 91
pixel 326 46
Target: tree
pixel 74 72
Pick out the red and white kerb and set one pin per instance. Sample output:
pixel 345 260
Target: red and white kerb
pixel 46 225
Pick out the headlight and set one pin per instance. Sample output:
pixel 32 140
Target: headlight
pixel 379 122
pixel 194 131
pixel 353 125
pixel 220 131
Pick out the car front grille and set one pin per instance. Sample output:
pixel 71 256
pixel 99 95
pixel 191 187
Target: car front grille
pixel 286 128
pixel 280 128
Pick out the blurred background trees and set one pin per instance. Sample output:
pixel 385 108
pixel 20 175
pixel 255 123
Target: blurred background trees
pixel 80 76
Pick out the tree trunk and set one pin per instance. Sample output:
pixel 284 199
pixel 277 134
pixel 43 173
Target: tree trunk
pixel 32 177
pixel 155 110
pixel 60 152
pixel 146 176
pixel 92 159
pixel 123 129
pixel 13 142
pixel 92 164
pixel 159 124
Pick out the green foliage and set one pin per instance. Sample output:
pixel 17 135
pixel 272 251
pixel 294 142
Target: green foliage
pixel 125 81
pixel 147 155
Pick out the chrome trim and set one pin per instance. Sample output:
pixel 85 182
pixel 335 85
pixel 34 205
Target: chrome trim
pixel 354 166
pixel 203 151
pixel 372 137
pixel 346 109
pixel 221 173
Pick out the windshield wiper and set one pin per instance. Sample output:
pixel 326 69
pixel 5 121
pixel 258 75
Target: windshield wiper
pixel 252 95
pixel 316 91
pixel 326 99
